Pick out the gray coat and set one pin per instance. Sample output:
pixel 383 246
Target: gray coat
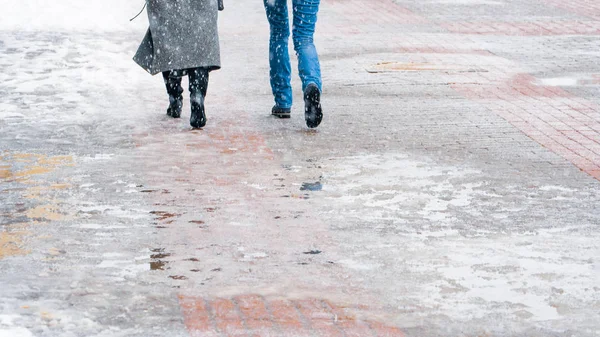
pixel 183 34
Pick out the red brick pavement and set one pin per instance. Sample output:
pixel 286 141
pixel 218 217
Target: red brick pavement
pixel 254 315
pixel 536 28
pixel 558 120
pixel 587 8
pixel 564 123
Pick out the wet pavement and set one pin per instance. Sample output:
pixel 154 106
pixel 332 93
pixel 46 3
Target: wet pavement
pixel 452 189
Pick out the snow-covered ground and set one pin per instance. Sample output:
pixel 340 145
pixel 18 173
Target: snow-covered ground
pixel 71 15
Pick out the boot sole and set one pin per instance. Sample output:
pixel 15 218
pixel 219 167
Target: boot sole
pixel 198 116
pixel 313 112
pixel 282 114
pixel 173 115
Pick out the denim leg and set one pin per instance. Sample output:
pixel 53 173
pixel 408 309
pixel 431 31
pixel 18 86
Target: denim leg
pixel 279 58
pixel 305 19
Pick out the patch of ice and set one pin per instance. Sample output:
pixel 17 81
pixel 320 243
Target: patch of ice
pixel 559 82
pixel 556 188
pixel 395 183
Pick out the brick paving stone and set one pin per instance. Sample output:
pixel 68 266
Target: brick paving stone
pixel 227 318
pixel 255 314
pixel 586 8
pixel 562 111
pixel 277 317
pixel 320 317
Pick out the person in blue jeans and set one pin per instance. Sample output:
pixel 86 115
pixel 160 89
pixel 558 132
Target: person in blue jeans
pixel 304 21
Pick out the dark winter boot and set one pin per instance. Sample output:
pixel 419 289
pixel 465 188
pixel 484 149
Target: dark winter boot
pixel 198 89
pixel 281 112
pixel 313 113
pixel 175 92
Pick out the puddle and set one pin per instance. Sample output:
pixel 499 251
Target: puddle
pixel 162 215
pixel 296 196
pixel 200 223
pixel 178 277
pixel 312 252
pixel 158 256
pixel 158 265
pixel 316 186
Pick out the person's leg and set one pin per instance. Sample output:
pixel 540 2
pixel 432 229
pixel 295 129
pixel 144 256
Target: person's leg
pixel 309 68
pixel 198 89
pixel 279 59
pixel 175 91
pixel 305 19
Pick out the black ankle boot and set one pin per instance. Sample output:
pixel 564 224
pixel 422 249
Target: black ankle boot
pixel 281 112
pixel 313 113
pixel 198 89
pixel 175 91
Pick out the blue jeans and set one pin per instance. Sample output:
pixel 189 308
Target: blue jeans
pixel 305 18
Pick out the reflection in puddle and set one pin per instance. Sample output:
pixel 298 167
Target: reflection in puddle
pixel 200 223
pixel 296 196
pixel 178 277
pixel 158 263
pixel 162 215
pixel 316 186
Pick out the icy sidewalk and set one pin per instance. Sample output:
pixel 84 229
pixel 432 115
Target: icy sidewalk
pixel 437 212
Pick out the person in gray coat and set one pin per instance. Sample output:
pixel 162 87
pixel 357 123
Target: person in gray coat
pixel 182 40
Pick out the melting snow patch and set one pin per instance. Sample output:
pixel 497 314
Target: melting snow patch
pixel 559 82
pixel 8 328
pixel 395 183
pixel 15 332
